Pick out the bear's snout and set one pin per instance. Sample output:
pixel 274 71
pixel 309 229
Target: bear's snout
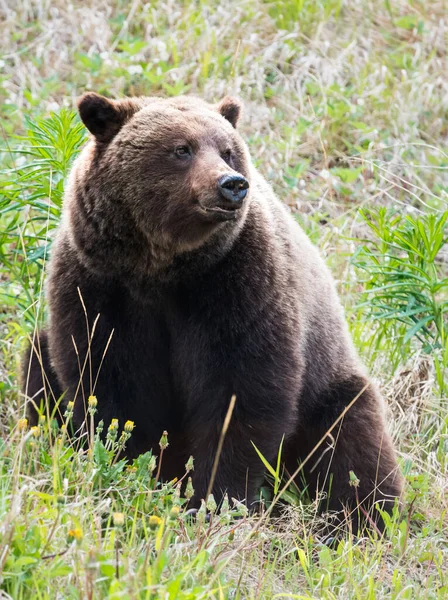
pixel 233 189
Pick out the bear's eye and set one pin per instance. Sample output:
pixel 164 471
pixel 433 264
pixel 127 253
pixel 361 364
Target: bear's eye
pixel 182 151
pixel 227 155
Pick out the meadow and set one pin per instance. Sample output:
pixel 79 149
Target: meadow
pixel 346 114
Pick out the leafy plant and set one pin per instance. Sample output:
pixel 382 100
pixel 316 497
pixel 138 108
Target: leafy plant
pixel 31 191
pixel 406 288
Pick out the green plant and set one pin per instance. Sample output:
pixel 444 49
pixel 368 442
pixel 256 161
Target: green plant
pixel 31 191
pixel 406 288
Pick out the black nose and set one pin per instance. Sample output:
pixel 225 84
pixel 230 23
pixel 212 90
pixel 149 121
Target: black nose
pixel 233 188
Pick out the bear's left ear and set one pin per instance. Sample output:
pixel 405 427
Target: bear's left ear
pixel 103 117
pixel 230 108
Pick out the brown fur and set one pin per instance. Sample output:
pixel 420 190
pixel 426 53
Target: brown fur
pixel 204 304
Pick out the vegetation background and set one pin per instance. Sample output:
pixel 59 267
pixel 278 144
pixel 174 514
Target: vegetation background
pixel 347 116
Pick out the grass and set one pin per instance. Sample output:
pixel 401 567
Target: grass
pixel 346 116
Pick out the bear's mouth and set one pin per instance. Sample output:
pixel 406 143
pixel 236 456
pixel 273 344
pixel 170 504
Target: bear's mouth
pixel 220 214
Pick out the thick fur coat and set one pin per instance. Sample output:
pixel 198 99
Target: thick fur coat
pixel 168 294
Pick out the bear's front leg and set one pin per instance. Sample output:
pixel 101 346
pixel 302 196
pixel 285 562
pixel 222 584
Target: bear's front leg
pixel 240 471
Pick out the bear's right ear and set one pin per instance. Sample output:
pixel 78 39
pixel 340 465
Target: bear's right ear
pixel 230 108
pixel 103 117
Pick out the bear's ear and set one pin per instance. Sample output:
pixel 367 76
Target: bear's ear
pixel 103 117
pixel 230 108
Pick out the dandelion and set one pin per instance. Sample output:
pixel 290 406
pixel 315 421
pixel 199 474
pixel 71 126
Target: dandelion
pixel 35 430
pixel 177 492
pixel 22 424
pixel 92 404
pixel 353 481
pixel 74 534
pixel 129 426
pixel 190 465
pixel 118 519
pixel 69 410
pixel 240 507
pixel 164 441
pixel 122 441
pixel 211 504
pixel 154 522
pixel 113 425
pixel 174 512
pixel 189 490
pixel 112 431
pixel 201 515
pixel 225 508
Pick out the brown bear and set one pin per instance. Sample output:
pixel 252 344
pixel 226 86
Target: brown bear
pixel 177 279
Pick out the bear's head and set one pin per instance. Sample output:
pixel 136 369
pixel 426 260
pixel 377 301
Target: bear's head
pixel 169 173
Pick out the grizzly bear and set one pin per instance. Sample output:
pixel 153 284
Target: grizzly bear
pixel 177 279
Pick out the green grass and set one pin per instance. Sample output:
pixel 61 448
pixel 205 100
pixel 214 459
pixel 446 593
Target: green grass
pixel 345 114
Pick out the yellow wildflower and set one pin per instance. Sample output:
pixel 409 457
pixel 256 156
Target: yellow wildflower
pixel 22 424
pixel 113 425
pixel 75 534
pixel 154 522
pixel 174 512
pixel 35 430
